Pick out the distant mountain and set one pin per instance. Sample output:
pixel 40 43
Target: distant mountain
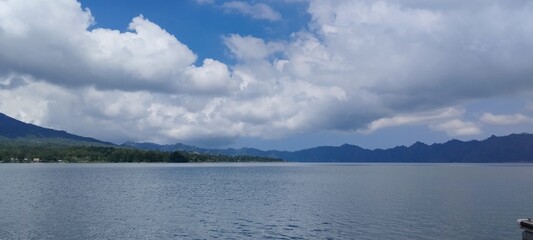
pixel 163 148
pixel 213 151
pixel 11 128
pixel 512 148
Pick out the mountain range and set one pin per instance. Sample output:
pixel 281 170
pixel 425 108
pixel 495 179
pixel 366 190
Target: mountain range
pixel 511 148
pixel 11 128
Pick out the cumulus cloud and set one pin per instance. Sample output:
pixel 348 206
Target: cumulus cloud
pixel 213 77
pixel 115 115
pixel 359 66
pixel 255 11
pixel 458 127
pixel 147 53
pixel 396 58
pixel 513 119
pixel 395 61
pixel 63 50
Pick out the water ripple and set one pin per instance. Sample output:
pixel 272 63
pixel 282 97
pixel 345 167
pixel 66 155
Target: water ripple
pixel 166 201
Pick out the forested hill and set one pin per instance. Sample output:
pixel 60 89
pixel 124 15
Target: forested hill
pixel 512 148
pixel 11 128
pixel 22 143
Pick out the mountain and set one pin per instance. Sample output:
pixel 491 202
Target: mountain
pixel 164 148
pixel 11 128
pixel 213 151
pixel 512 148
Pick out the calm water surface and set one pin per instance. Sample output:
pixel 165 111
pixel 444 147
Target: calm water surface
pixel 264 201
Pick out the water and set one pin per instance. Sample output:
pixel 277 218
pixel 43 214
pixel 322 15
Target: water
pixel 264 201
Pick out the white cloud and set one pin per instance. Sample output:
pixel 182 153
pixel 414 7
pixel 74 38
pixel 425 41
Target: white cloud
pixel 458 127
pixel 148 52
pixel 22 103
pixel 250 48
pixel 396 58
pixel 513 119
pixel 62 50
pixel 417 118
pixel 114 115
pixel 360 66
pixel 255 11
pixel 445 120
pixel 213 77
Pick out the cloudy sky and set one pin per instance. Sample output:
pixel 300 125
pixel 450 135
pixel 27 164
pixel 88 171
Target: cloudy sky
pixel 271 74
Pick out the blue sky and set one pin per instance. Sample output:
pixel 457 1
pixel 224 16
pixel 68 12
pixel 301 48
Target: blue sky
pixel 270 74
pixel 200 26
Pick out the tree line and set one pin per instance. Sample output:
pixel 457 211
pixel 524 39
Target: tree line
pixel 16 153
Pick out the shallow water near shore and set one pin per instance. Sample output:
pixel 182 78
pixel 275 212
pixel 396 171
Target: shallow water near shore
pixel 264 200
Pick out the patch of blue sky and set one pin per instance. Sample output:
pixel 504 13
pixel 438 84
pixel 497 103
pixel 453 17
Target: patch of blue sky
pixel 200 26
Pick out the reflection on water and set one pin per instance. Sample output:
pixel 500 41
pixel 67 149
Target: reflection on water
pixel 281 201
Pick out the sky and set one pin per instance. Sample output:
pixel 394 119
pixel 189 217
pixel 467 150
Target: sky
pixel 270 74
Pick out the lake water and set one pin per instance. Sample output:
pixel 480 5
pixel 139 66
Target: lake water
pixel 264 201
